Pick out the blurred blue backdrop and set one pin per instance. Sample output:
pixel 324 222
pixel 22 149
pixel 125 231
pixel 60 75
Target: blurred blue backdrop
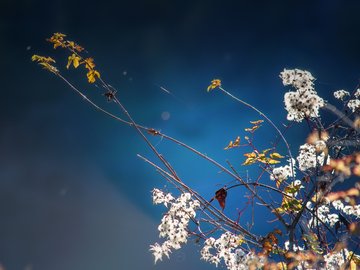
pixel 74 195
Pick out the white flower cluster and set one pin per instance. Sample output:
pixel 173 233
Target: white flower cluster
pixel 353 104
pixel 322 213
pixel 308 157
pixel 300 79
pixel 335 261
pixel 341 94
pixel 304 102
pixel 225 248
pixel 295 247
pixel 357 93
pixel 174 223
pixel 161 197
pixel 347 209
pixel 284 172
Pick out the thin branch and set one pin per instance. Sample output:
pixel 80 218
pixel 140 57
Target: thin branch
pixel 267 119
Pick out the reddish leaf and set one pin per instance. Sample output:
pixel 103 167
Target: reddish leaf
pixel 220 195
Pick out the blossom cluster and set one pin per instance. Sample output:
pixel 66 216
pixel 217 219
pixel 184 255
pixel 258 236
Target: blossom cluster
pixel 226 248
pixel 341 94
pixel 309 158
pixel 294 247
pixel 322 214
pixel 284 172
pixel 174 224
pixel 325 212
pixel 353 210
pixel 304 101
pixel 352 104
pixel 336 260
pixel 161 197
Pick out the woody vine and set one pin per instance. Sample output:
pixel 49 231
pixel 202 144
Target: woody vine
pixel 313 227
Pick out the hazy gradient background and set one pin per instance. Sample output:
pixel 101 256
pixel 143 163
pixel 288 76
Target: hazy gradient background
pixel 73 194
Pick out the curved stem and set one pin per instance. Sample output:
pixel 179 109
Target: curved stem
pixel 268 120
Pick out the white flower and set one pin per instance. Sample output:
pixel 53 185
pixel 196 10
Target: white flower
pixel 348 209
pixel 332 219
pixel 341 94
pixel 295 247
pixel 357 211
pixel 309 205
pixel 299 79
pixel 338 205
pixel 304 102
pixel 159 251
pixel 226 248
pixel 308 158
pixel 161 197
pixel 282 173
pixel 334 261
pixel 321 215
pixel 302 105
pixel 353 104
pixel 174 223
pixel 357 93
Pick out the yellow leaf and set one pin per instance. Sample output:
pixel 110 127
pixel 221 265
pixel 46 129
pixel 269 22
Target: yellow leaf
pixel 232 144
pixel 38 58
pixel 72 45
pixel 237 141
pixel 252 129
pixel 76 62
pixel 276 155
pixel 250 155
pixel 249 161
pixel 214 84
pixel 266 150
pixel 45 62
pixel 289 204
pixel 292 188
pixel 74 59
pixel 57 39
pixel 273 161
pixel 278 182
pixel 91 75
pixel 89 63
pixel 58 36
pixel 279 210
pixel 257 122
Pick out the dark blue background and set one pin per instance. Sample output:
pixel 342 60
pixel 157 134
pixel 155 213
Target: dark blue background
pixel 73 194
